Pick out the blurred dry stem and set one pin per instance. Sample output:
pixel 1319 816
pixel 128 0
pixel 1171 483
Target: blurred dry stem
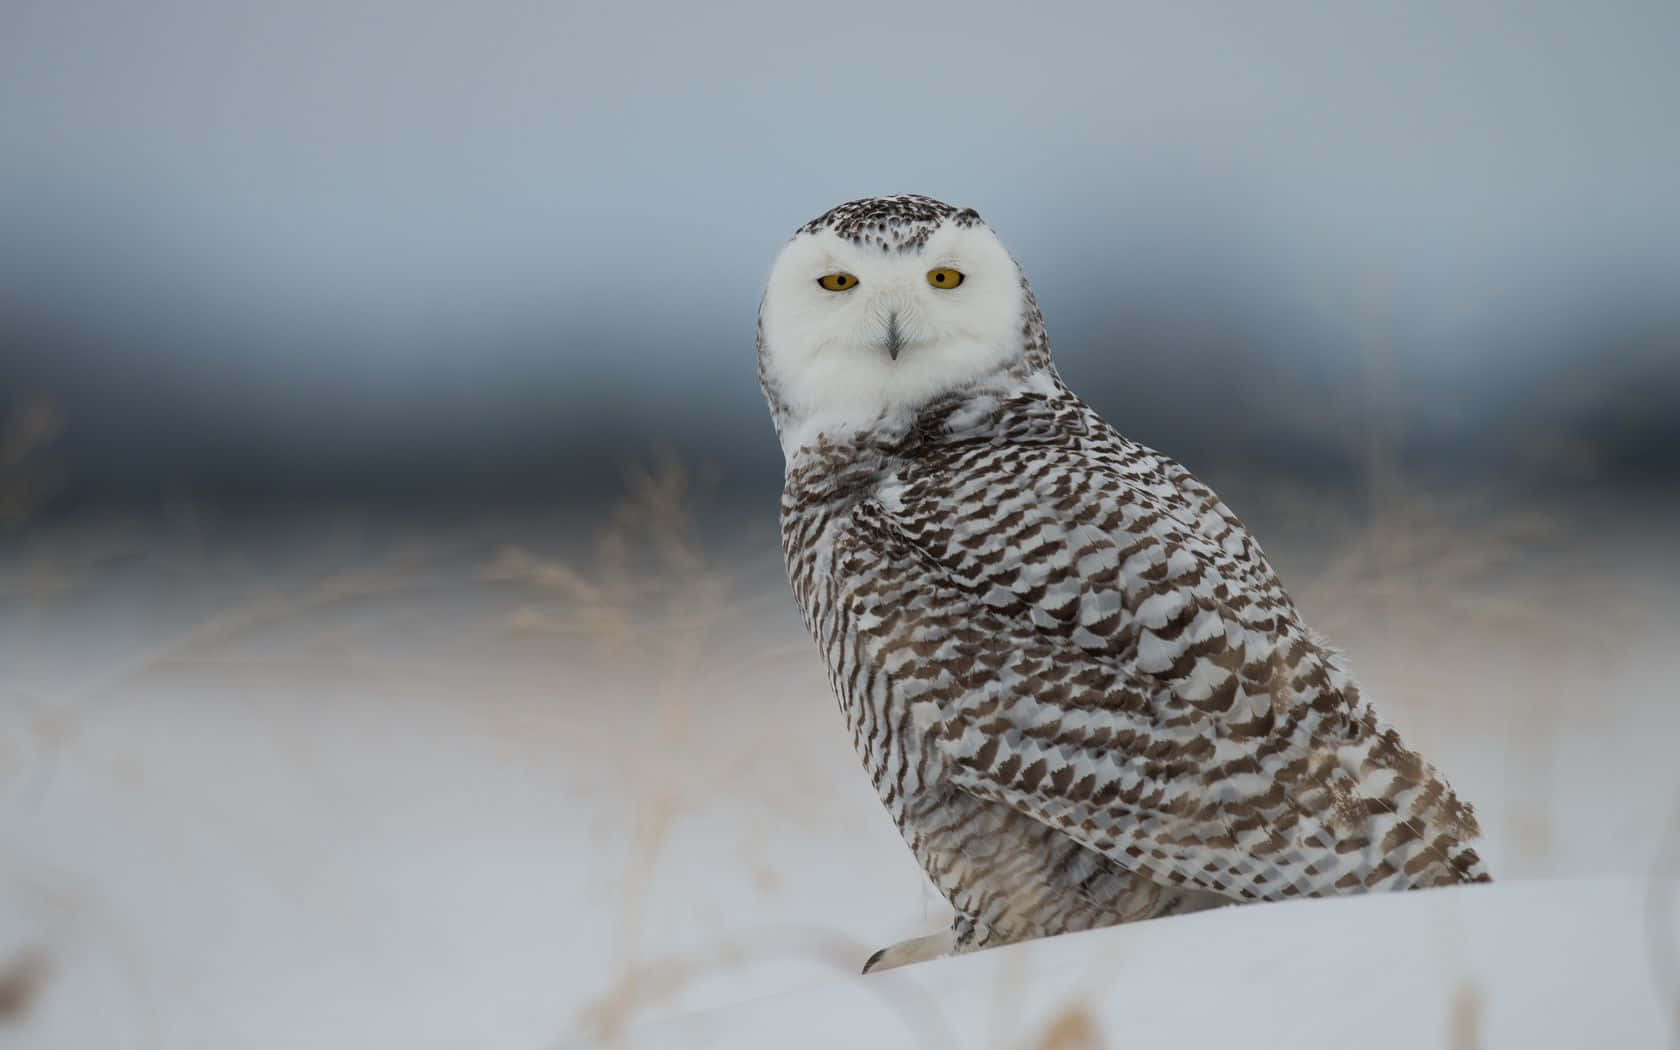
pixel 21 979
pixel 27 480
pixel 1464 1018
pixel 609 606
pixel 1073 1028
pixel 30 427
pixel 1433 564
pixel 1416 557
pixel 336 588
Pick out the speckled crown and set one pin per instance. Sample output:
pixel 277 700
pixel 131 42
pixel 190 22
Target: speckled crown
pixel 900 223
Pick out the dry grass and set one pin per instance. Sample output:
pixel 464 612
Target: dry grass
pixel 665 615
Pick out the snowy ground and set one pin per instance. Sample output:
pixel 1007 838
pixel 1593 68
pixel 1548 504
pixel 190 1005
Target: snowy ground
pixel 341 780
pixel 1535 964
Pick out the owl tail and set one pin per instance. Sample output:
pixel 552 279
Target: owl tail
pixel 1466 866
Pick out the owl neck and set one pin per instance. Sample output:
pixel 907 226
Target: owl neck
pixel 1016 404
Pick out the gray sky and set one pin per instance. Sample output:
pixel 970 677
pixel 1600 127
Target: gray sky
pixel 284 239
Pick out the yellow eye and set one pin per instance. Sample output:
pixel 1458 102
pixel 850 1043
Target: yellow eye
pixel 837 282
pixel 945 277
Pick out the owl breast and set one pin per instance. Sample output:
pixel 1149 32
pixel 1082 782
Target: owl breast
pixel 1013 876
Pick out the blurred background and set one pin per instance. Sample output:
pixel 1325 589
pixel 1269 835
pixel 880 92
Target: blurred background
pixel 389 587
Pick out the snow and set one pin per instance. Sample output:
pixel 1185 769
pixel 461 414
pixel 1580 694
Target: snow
pixel 359 781
pixel 1543 964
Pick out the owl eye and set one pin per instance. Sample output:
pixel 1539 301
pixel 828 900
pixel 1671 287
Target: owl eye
pixel 945 277
pixel 837 282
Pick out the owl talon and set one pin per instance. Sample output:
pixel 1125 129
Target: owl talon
pixel 869 964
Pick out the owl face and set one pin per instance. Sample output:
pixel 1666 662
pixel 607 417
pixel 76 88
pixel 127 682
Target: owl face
pixel 882 308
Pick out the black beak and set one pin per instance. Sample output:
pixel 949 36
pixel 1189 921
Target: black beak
pixel 894 342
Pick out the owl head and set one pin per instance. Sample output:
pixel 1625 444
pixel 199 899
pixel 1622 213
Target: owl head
pixel 882 305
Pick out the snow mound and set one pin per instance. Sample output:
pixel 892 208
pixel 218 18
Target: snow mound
pixel 1541 964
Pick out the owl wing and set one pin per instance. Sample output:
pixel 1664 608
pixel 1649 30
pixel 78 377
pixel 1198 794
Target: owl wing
pixel 1109 660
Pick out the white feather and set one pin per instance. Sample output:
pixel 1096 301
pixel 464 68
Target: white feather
pixel 826 351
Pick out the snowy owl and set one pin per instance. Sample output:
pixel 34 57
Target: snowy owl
pixel 1079 688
